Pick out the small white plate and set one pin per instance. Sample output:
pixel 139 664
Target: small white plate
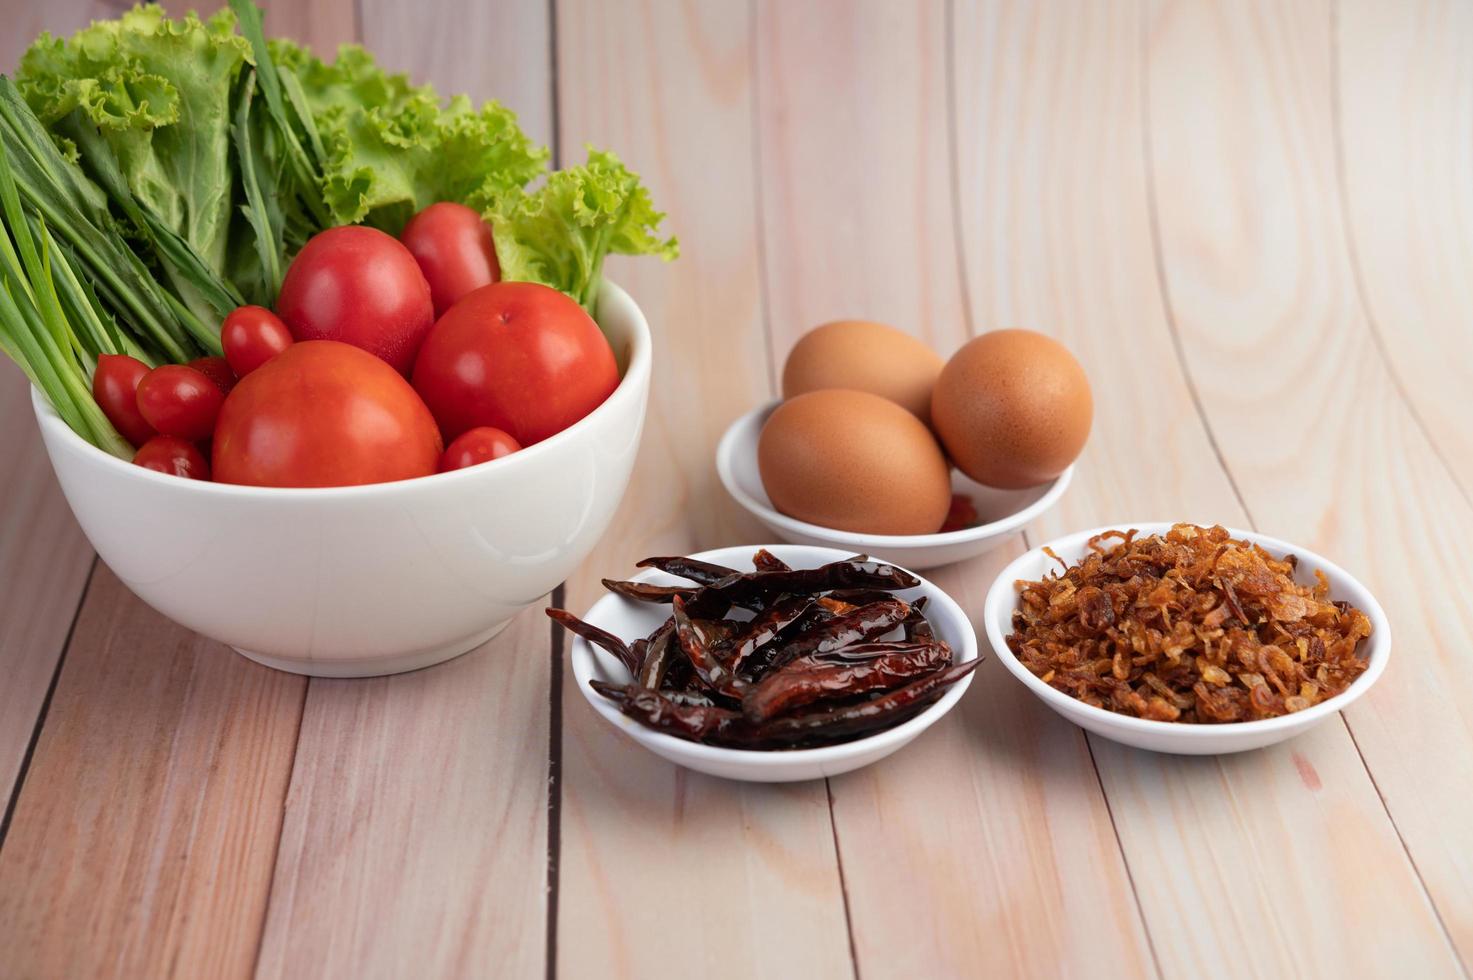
pixel 1166 736
pixel 1002 511
pixel 628 620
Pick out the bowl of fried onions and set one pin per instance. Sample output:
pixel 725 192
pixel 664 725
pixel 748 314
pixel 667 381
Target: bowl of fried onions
pixel 1188 639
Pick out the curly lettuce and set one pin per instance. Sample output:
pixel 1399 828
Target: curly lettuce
pixel 559 234
pixel 388 148
pixel 144 103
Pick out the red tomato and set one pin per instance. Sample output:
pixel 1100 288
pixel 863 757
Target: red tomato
pixel 454 249
pixel 170 454
pixel 217 369
pixel 324 414
pixel 251 336
pixel 178 400
pixel 479 445
pixel 360 286
pixel 115 389
pixel 518 356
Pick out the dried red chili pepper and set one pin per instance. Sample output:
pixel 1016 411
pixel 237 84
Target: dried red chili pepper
pixel 596 636
pixel 825 634
pixel 646 592
pixel 812 679
pixel 865 716
pixel 698 643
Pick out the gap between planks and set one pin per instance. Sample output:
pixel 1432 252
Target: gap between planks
pixel 1169 311
pixel 25 761
pixel 953 162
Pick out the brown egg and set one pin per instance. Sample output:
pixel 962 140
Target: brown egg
pixel 1012 408
pixel 864 356
pixel 854 461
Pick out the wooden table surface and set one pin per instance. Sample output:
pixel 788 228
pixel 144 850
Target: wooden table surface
pixel 1254 225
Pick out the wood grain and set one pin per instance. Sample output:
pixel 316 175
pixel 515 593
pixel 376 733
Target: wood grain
pixel 143 839
pixel 985 848
pixel 857 210
pixel 323 24
pixel 415 829
pixel 1324 449
pixel 1404 97
pixel 647 847
pixel 44 558
pixel 1252 224
pixel 958 874
pixel 496 51
pixel 148 818
pixel 415 836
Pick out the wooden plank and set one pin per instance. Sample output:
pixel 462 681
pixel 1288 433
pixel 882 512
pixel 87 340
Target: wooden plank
pixel 1326 452
pixel 149 816
pixel 142 842
pixel 415 830
pixel 982 870
pixel 1404 93
pixel 857 207
pixel 44 557
pixel 496 51
pixel 323 24
pixel 415 833
pixel 643 842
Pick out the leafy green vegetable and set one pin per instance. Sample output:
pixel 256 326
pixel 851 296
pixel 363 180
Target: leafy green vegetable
pixel 35 330
pixel 559 234
pixel 159 172
pixel 55 189
pixel 156 93
pixel 389 147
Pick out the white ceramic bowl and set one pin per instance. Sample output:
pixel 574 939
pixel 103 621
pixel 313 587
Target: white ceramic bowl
pixel 355 581
pixel 1163 736
pixel 1002 511
pixel 628 619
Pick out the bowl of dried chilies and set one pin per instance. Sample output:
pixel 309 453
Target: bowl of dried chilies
pixel 791 663
pixel 1187 639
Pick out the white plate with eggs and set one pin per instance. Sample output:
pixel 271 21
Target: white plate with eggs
pixel 859 455
pixel 1002 512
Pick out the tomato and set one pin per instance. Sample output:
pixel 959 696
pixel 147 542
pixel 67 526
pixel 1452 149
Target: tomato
pixel 178 400
pixel 115 389
pixel 518 356
pixel 324 414
pixel 360 286
pixel 217 369
pixel 170 454
pixel 479 445
pixel 251 336
pixel 454 249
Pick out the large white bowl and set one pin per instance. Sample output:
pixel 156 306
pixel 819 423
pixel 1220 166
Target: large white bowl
pixel 1165 736
pixel 1002 511
pixel 356 581
pixel 629 619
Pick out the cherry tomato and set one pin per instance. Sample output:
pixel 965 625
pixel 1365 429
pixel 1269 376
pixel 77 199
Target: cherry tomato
pixel 518 356
pixel 251 336
pixel 170 454
pixel 217 369
pixel 115 389
pixel 178 400
pixel 454 249
pixel 479 445
pixel 324 414
pixel 360 286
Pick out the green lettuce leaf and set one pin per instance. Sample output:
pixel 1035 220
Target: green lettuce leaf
pixel 390 148
pixel 559 234
pixel 158 93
